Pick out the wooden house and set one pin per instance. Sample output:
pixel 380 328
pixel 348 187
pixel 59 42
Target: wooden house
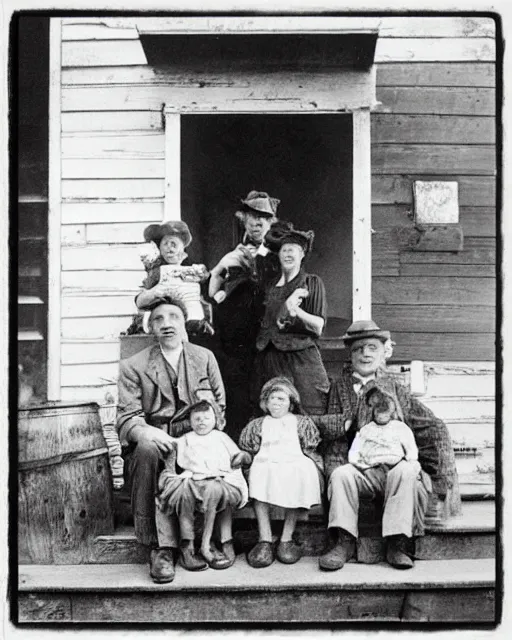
pixel 377 132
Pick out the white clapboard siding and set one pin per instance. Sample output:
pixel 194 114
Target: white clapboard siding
pixel 101 257
pixel 101 189
pixel 97 306
pixel 91 168
pixel 281 94
pixel 98 53
pixel 72 234
pixel 393 27
pixel 106 282
pixel 97 31
pixel 94 328
pixel 454 101
pixel 89 352
pixel 130 232
pixel 110 121
pixel 435 50
pixel 455 409
pixel 89 374
pixel 80 393
pixel 133 144
pixel 182 76
pixel 481 434
pixel 461 385
pixel 104 213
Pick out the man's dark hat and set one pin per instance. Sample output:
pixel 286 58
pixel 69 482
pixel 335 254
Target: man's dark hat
pixel 364 329
pixel 155 232
pixel 259 202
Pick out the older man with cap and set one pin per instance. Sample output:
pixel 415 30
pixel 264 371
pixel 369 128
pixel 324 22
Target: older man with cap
pixel 406 497
pixel 154 386
pixel 236 290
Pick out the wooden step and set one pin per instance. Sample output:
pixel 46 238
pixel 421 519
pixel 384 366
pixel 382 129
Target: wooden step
pixel 433 591
pixel 469 535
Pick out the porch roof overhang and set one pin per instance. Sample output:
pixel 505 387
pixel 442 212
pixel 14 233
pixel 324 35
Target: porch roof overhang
pixel 345 49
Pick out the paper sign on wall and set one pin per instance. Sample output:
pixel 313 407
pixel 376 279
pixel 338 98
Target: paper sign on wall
pixel 436 202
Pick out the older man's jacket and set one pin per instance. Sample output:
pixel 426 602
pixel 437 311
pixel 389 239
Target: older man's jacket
pixel 145 392
pixel 435 448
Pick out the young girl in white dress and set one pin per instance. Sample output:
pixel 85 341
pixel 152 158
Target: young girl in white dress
pixel 286 468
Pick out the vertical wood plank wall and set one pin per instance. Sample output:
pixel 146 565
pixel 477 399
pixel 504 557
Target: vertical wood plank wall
pixel 436 85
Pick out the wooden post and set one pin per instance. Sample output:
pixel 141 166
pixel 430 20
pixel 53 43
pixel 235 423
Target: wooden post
pixel 361 221
pixel 172 194
pixel 54 211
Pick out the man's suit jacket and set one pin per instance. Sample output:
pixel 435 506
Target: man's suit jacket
pixel 145 393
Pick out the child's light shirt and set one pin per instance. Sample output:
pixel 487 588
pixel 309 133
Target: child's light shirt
pixel 378 444
pixel 209 456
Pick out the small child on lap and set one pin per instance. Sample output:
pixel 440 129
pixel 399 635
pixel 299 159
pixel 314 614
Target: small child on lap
pixel 285 470
pixel 211 482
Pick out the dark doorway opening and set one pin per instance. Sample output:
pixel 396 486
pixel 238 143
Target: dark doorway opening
pixel 304 160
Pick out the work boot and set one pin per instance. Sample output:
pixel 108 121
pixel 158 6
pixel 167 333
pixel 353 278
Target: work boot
pixel 399 552
pixel 161 565
pixel 343 550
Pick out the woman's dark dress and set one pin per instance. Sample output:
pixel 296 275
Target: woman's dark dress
pixel 293 351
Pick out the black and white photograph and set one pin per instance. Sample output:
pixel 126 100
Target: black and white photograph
pixel 246 251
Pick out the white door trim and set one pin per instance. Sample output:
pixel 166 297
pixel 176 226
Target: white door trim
pixel 54 211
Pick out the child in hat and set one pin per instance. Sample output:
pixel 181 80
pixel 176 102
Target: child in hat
pixel 170 272
pixel 210 481
pixel 285 470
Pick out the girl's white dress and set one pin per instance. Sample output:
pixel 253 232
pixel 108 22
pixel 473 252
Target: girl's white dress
pixel 280 473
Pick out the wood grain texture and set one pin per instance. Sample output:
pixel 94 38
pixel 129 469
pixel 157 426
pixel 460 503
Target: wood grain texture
pixel 110 121
pixel 433 291
pixel 87 351
pixel 141 212
pixel 476 251
pixel 474 191
pixel 43 607
pixel 92 306
pixel 89 394
pixel 89 375
pixel 441 269
pixel 279 95
pixel 106 282
pixel 439 319
pixel 97 31
pixel 435 159
pixel 101 328
pixel 62 507
pixel 435 50
pixel 137 145
pixel 121 232
pixel 432 129
pixel 454 346
pixel 463 101
pixel 452 74
pixel 98 168
pixel 112 189
pixel 102 257
pixel 100 53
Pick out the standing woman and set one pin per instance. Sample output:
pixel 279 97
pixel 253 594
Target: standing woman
pixel 295 316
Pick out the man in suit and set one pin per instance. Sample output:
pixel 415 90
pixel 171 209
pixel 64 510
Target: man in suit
pixel 154 386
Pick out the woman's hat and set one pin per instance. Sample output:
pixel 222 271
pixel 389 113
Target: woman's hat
pixel 155 232
pixel 365 329
pixel 272 239
pixel 261 203
pixel 303 238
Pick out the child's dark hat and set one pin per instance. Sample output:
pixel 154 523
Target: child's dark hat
pixel 156 232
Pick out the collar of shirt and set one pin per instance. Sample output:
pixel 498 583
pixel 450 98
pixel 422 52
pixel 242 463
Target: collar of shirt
pixel 173 357
pixel 359 381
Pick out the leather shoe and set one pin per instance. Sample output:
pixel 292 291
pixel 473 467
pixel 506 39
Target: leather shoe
pixel 336 557
pixel 229 552
pixel 216 559
pixel 261 555
pixel 161 565
pixel 399 552
pixel 190 561
pixel 289 552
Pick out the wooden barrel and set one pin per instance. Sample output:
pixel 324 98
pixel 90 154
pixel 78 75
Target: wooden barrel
pixel 65 483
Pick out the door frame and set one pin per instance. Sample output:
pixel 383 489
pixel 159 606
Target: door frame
pixel 361 192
